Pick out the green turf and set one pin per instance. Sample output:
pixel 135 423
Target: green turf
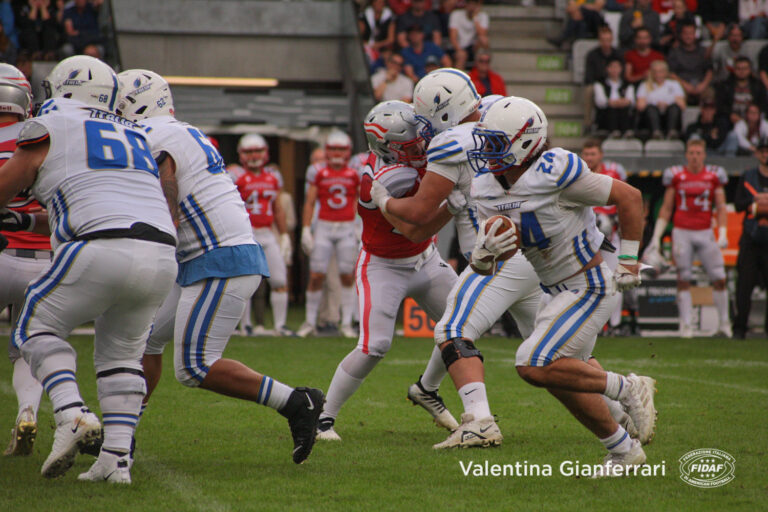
pixel 199 451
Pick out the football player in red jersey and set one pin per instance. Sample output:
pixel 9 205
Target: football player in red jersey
pixel 259 186
pixel 607 217
pixel 396 256
pixel 27 255
pixel 692 190
pixel 334 187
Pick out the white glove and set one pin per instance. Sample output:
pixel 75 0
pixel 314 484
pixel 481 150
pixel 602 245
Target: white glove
pixel 456 201
pixel 286 251
pixel 491 244
pixel 380 195
pixel 16 221
pixel 307 242
pixel 624 279
pixel 722 237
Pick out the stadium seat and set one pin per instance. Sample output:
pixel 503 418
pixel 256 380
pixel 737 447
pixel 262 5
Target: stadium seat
pixel 664 148
pixel 690 116
pixel 613 148
pixel 751 49
pixel 579 57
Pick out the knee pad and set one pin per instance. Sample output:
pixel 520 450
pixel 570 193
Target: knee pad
pixel 459 348
pixel 120 381
pixel 46 353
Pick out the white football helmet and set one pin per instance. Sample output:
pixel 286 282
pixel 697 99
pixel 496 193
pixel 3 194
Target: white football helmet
pixel 442 99
pixel 84 79
pixel 393 134
pixel 338 149
pixel 143 94
pixel 487 101
pixel 247 145
pixel 511 132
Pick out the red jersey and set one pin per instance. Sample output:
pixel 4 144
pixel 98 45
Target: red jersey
pixel 694 194
pixel 259 191
pixel 379 237
pixel 23 202
pixel 336 192
pixel 615 171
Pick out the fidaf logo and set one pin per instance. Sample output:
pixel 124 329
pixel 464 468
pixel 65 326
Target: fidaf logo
pixel 707 468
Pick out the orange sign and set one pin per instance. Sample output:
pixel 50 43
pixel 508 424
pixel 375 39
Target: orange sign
pixel 416 322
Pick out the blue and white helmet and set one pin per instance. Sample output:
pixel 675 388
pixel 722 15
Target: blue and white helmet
pixel 85 79
pixel 143 94
pixel 442 99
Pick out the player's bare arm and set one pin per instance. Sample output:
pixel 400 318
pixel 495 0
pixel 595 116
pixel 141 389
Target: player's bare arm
pixel 629 202
pixel 20 171
pixel 277 207
pixel 170 187
pixel 418 234
pixel 423 207
pixel 720 209
pixel 309 206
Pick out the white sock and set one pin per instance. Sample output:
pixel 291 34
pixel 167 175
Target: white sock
pixel 615 320
pixel 618 442
pixel 475 400
pixel 28 389
pixel 273 393
pixel 615 386
pixel 350 374
pixel 313 304
pixel 684 306
pixel 120 415
pixel 720 298
pixel 348 300
pixel 245 321
pixel 434 372
pixel 279 301
pixel 63 391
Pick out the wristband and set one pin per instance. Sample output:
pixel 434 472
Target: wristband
pixel 754 209
pixel 383 206
pixel 722 232
pixel 628 249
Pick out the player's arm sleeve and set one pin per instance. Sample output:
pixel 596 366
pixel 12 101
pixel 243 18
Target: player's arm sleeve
pixel 398 182
pixel 449 172
pixel 589 189
pixel 722 176
pixel 311 174
pixel 667 177
pixel 31 133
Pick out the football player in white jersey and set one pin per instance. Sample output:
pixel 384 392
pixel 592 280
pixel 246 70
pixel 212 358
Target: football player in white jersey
pixel 220 266
pixel 114 260
pixel 550 193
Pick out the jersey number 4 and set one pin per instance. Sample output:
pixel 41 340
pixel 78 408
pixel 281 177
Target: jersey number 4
pixel 116 147
pixel 700 200
pixel 532 234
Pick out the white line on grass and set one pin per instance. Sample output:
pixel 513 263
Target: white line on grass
pixel 737 387
pixel 183 486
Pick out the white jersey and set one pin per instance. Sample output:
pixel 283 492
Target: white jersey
pixel 551 203
pixel 212 213
pixel 99 173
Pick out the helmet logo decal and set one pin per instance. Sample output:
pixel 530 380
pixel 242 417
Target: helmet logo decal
pixel 137 82
pixel 73 74
pixel 437 99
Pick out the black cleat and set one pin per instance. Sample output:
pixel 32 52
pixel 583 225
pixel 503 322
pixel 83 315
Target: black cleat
pixel 303 412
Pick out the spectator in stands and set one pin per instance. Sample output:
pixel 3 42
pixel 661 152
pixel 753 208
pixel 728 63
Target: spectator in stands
pixel 8 50
pixel 444 15
pixel 418 51
pixel 642 16
pixel 717 15
pixel 666 8
pixel 752 198
pixel 614 99
pixel 762 66
pixel 81 26
pixel 39 29
pixel 671 32
pixel 381 62
pixel 400 7
pixel 469 31
pixel 390 83
pixel 8 19
pixel 583 18
pixel 486 81
pixel 377 28
pixel 431 64
pixel 723 55
pixel 690 65
pixel 752 18
pixel 660 102
pixel 638 60
pixel 751 130
pixel 714 130
pixel 735 94
pixel 419 15
pixel 598 58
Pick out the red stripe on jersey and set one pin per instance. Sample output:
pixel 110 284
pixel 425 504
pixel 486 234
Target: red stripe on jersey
pixel 366 317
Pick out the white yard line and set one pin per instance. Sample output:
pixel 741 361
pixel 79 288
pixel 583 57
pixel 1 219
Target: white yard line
pixel 184 487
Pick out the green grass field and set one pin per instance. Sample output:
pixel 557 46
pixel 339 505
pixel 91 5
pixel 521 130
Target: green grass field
pixel 201 452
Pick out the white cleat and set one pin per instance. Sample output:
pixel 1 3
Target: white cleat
pixel 621 464
pixel 23 434
pixel 347 331
pixel 434 405
pixel 74 428
pixel 109 467
pixel 627 424
pixel 472 432
pixel 686 331
pixel 285 332
pixel 639 405
pixel 306 330
pixel 725 330
pixel 325 430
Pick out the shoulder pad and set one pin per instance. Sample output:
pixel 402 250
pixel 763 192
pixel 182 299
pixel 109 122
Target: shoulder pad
pixel 451 146
pixel 557 169
pixel 398 179
pixel 31 133
pixel 668 175
pixel 722 175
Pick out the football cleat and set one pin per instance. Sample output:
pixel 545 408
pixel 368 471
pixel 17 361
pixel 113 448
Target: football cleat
pixel 639 405
pixel 347 331
pixel 23 434
pixel 725 330
pixel 303 411
pixel 109 467
pixel 472 432
pixel 686 331
pixel 285 332
pixel 433 403
pixel 325 431
pixel 74 428
pixel 305 330
pixel 634 457
pixel 627 424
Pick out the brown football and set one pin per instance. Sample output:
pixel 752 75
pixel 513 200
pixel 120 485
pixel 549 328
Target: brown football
pixel 506 224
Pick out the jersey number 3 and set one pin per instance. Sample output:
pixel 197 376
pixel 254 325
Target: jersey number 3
pixel 111 147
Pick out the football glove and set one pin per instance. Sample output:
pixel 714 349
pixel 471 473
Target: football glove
pixel 488 246
pixel 722 238
pixel 286 251
pixel 380 195
pixel 625 279
pixel 456 202
pixel 16 221
pixel 307 242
